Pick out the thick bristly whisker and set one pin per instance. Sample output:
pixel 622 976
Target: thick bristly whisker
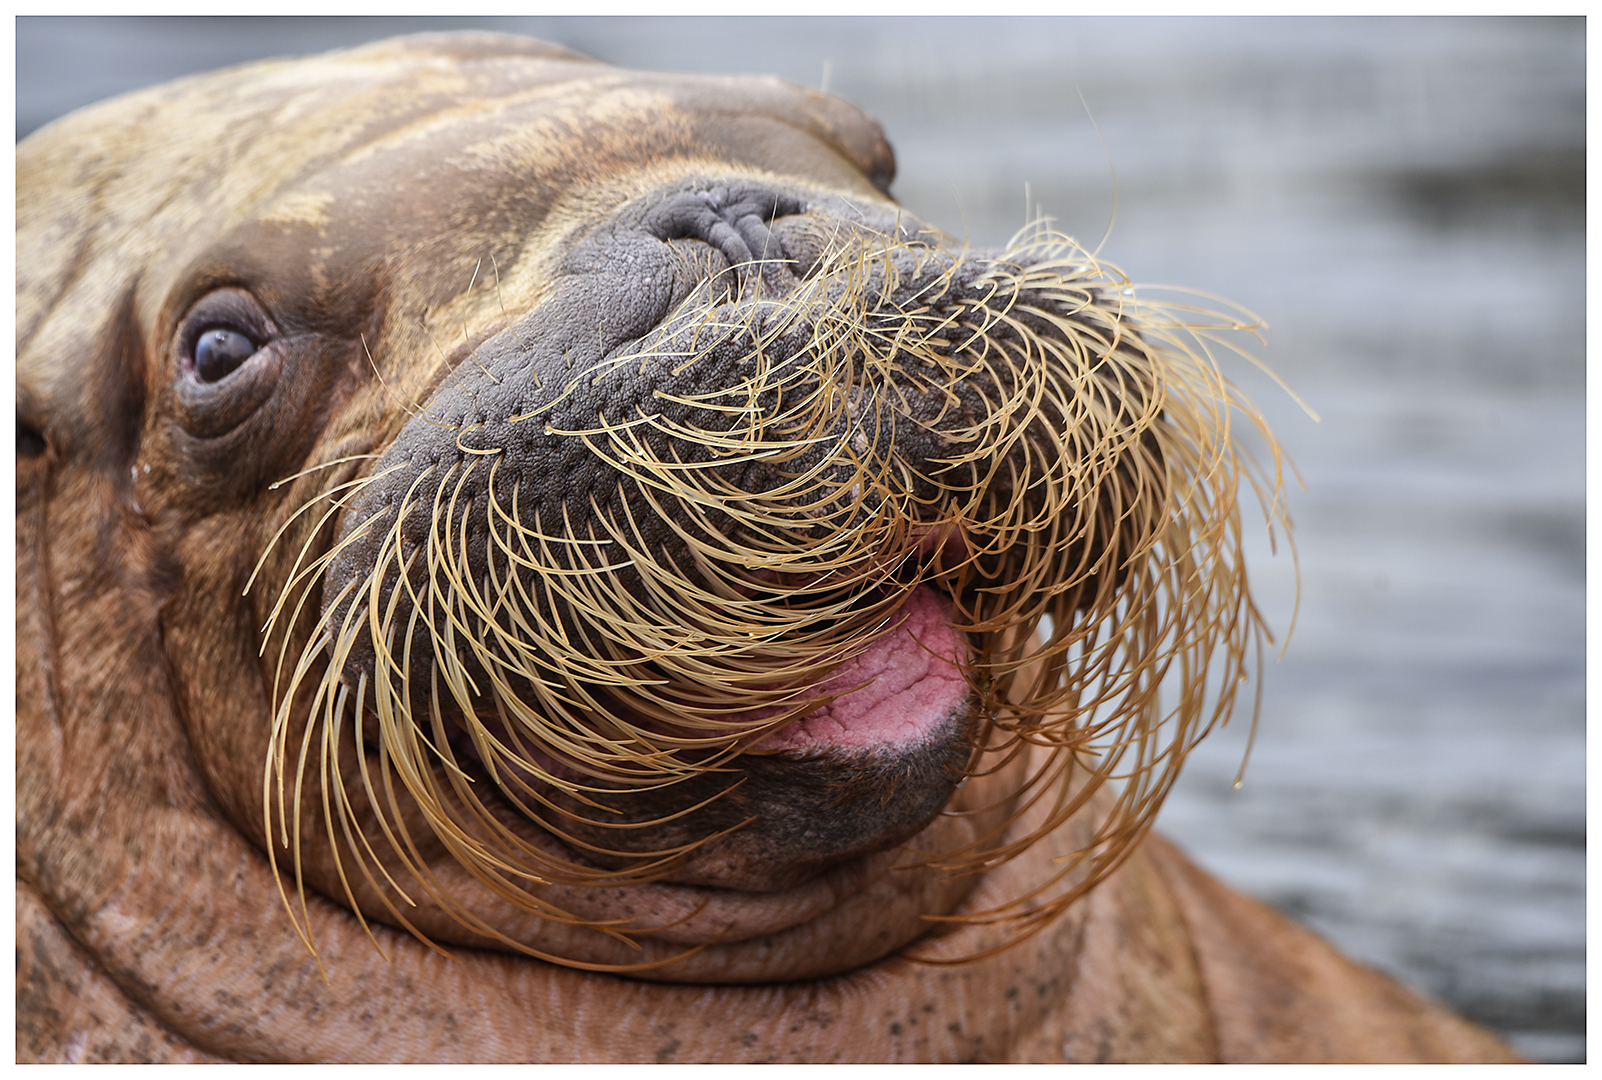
pixel 1087 467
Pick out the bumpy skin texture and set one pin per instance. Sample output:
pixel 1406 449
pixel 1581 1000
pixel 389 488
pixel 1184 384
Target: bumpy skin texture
pixel 339 207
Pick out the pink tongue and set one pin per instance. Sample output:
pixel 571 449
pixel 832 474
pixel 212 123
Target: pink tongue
pixel 909 682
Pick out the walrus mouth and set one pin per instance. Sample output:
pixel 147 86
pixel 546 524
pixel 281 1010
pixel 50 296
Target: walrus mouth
pixel 859 774
pixel 730 560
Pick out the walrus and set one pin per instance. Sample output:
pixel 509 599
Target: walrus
pixel 520 560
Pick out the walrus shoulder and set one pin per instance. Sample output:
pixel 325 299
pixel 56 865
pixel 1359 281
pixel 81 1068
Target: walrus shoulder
pixel 1277 992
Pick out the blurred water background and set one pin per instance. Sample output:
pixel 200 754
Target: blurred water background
pixel 1403 200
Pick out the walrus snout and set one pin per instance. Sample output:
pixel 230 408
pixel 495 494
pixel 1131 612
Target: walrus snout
pixel 791 382
pixel 617 599
pixel 709 440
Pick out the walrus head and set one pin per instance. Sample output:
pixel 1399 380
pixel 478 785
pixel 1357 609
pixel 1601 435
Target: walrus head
pixel 660 551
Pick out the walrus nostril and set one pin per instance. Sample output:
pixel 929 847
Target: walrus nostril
pixel 733 222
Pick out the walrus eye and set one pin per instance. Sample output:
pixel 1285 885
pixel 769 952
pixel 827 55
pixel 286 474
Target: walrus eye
pixel 221 332
pixel 219 351
pixel 228 356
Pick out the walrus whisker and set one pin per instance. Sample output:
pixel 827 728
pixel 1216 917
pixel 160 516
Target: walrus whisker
pixel 332 495
pixel 292 841
pixel 366 865
pixel 412 409
pixel 418 867
pixel 477 266
pixel 309 573
pixel 373 861
pixel 1066 437
pixel 330 768
pixel 276 484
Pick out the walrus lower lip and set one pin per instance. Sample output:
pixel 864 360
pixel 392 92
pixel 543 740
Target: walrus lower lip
pixel 893 693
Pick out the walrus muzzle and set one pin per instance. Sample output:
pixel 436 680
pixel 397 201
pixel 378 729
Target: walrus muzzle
pixel 763 457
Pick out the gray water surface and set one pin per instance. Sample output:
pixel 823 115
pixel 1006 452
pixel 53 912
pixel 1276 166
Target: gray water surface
pixel 1404 202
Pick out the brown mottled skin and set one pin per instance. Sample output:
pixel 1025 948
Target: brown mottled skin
pixel 352 198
